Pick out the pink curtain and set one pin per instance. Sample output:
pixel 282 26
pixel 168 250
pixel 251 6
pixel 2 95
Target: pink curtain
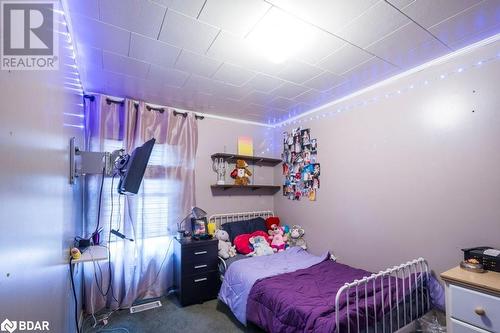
pixel 143 268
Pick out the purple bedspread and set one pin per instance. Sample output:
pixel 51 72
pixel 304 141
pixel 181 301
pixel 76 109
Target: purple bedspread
pixel 242 275
pixel 304 300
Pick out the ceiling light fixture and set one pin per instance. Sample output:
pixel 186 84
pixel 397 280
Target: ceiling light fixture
pixel 278 36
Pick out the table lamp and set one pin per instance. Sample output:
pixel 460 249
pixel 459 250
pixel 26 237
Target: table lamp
pixel 195 212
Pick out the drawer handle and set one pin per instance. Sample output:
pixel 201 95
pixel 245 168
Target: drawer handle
pixel 480 311
pixel 200 266
pixel 200 252
pixel 199 280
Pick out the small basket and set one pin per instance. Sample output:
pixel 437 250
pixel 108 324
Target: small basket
pixel 478 268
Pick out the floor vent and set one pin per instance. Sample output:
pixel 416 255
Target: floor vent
pixel 145 306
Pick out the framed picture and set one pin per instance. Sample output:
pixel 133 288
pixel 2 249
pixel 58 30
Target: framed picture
pixel 199 227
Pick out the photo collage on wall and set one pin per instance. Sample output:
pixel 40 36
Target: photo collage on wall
pixel 301 169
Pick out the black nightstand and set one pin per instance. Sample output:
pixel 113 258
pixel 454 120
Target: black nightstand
pixel 196 273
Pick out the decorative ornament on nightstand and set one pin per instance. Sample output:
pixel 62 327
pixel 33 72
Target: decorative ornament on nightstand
pixel 241 174
pixel 220 167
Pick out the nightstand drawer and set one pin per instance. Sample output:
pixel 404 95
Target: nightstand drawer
pixel 460 327
pixel 200 287
pixel 199 266
pixel 476 308
pixel 200 253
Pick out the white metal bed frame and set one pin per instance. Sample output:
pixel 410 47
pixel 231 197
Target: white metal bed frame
pixel 416 270
pixel 414 302
pixel 220 219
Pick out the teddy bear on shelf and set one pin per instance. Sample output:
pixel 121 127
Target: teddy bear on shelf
pixel 278 238
pixel 241 174
pixel 226 250
pixel 296 237
pixel 260 247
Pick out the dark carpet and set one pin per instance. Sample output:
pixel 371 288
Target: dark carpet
pixel 211 316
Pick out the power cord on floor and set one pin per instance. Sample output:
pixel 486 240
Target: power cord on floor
pixel 74 293
pixel 114 329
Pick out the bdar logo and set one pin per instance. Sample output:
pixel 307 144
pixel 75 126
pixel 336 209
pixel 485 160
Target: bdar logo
pixel 8 326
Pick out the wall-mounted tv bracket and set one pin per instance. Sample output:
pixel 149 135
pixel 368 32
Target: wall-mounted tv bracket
pixel 91 162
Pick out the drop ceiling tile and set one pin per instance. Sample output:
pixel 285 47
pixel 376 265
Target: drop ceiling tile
pixel 236 16
pixel 233 74
pixel 298 71
pixel 194 63
pixel 228 47
pixel 100 35
pixel 89 56
pixel 153 51
pixel 164 3
pixel 401 47
pixel 199 83
pixel 474 24
pixel 431 12
pixel 258 98
pixel 375 23
pixel 238 51
pixel 167 76
pixel 281 103
pixel 231 91
pixel 370 71
pixel 186 32
pixel 88 8
pixel 327 14
pixel 300 108
pixel 289 90
pixel 264 83
pixel 401 3
pixel 125 65
pixel 323 44
pixel 344 59
pixel 324 81
pixel 140 16
pixel 249 109
pixel 310 97
pixel 191 8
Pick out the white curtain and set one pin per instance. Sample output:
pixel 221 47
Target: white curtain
pixel 142 268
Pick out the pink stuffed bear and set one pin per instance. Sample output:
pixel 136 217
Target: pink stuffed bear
pixel 278 238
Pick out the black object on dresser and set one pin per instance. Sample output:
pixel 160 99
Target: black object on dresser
pixel 196 275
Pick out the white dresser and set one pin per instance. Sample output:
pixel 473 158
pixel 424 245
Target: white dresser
pixel 472 301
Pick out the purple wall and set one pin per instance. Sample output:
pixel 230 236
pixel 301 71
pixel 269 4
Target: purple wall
pixel 417 174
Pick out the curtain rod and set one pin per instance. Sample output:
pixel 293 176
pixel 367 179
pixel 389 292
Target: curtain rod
pixel 109 101
pixel 148 107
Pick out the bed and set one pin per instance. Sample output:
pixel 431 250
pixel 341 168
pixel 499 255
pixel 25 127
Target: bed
pixel 295 291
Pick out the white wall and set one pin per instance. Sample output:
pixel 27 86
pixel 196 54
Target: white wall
pixel 417 174
pixel 40 212
pixel 218 136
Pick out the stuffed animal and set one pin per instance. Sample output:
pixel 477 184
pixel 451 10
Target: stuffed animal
pixel 241 174
pixel 296 234
pixel 225 248
pixel 260 246
pixel 278 238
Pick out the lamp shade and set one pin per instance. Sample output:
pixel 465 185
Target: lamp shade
pixel 198 213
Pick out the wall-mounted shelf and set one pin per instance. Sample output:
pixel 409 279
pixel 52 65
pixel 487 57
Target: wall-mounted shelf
pixel 93 253
pixel 264 161
pixel 244 189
